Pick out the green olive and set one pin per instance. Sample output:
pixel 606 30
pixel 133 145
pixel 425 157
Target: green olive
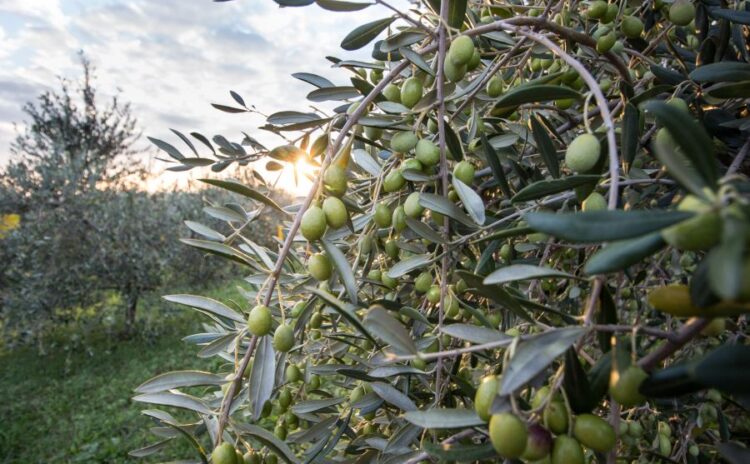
pixel 283 338
pixel 427 152
pixel 293 373
pixel 335 211
pixel 423 282
pixel 313 224
pixel 391 248
pixel 508 435
pixel 356 394
pixel 699 232
pixel 314 382
pixel 556 417
pixel 452 72
pixel 564 103
pixel 432 126
pixel 412 163
pixel 316 320
pixel 594 202
pixel 495 87
pixel 464 171
pixel 388 281
pixel 383 215
pixel 567 450
pixel 334 180
pixel 373 133
pixel 374 274
pixel 224 454
pixel 451 306
pixel 394 181
pixel 392 93
pixel 597 9
pixel 605 42
pixel 403 142
pixel 319 267
pixel 412 208
pixel 285 399
pixel 476 59
pixel 610 15
pixel 411 92
pixel 715 328
pixel 594 432
pixel 461 51
pixel 583 153
pixel 485 395
pixel 623 386
pixel 292 421
pixel 631 27
pixel 433 294
pixel 506 252
pixel 251 458
pixel 259 320
pixel 398 219
pixel 682 12
pixel 297 309
pixel 679 103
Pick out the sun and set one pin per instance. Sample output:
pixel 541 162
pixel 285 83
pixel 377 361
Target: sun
pixel 296 178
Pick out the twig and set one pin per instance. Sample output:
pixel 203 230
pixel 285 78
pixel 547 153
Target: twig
pixel 405 17
pixel 629 328
pixel 440 88
pixel 451 353
pixel 687 333
pixel 741 155
pixel 424 455
pixel 226 403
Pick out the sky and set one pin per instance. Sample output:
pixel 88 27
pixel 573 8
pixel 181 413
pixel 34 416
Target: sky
pixel 172 58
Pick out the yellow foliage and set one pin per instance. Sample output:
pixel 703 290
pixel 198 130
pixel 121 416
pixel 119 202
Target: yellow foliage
pixel 9 222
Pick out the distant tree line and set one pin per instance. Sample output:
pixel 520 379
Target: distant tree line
pixel 80 223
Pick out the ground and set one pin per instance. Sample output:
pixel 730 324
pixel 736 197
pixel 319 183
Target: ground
pixel 73 404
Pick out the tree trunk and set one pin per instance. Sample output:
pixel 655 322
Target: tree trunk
pixel 130 314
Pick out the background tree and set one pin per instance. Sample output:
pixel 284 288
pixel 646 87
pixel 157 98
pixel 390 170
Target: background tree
pixel 85 228
pixel 70 143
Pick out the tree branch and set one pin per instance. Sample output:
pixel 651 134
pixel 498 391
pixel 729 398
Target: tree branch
pixel 440 83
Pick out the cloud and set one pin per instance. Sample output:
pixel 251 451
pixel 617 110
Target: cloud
pixel 172 58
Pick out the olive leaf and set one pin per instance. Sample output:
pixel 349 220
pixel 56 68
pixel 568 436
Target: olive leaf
pixel 364 34
pixel 535 354
pixel 262 376
pixel 387 328
pixel 444 418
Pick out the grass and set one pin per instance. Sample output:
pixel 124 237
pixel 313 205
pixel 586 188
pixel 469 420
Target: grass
pixel 73 404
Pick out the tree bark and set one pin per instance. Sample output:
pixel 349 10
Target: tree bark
pixel 130 314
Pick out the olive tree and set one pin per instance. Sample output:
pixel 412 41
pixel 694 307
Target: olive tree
pixel 80 225
pixel 527 240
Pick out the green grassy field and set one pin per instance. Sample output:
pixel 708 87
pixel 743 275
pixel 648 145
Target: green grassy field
pixel 74 405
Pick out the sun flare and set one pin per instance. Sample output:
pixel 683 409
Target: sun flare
pixel 297 178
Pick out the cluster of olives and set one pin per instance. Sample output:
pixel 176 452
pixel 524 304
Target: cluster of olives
pixel 332 213
pixel 680 13
pixel 512 438
pixel 260 323
pixel 225 453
